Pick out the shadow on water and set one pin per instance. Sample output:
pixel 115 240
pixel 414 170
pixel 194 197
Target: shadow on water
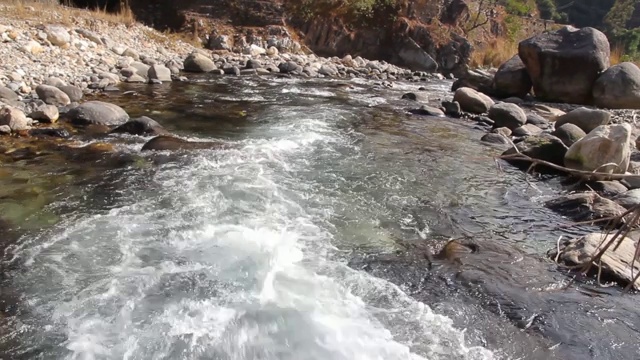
pixel 413 183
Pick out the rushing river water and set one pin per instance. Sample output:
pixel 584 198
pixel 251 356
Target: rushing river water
pixel 244 253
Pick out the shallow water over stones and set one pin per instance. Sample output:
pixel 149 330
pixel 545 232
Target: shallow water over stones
pixel 303 238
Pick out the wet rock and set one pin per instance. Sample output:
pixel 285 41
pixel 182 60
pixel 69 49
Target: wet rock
pixel 427 110
pixel 73 92
pixel 495 138
pixel 232 70
pixel 170 143
pixel 14 118
pixel 543 147
pixel 416 97
pixel 585 206
pixel 585 119
pixel 618 87
pixel 615 264
pixel 512 79
pixel 50 132
pixel 606 149
pixel 628 199
pixel 45 113
pixel 97 112
pixel 52 95
pixel 451 108
pixel 526 130
pixel 513 100
pixel 569 133
pixel 472 101
pixel 57 35
pixel 198 63
pixel 141 126
pixel 507 115
pixel 608 188
pixel 564 64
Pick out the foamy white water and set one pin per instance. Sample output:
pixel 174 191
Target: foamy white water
pixel 225 255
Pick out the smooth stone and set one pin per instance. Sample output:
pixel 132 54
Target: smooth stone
pixel 472 101
pixel 607 144
pixel 45 113
pixel 97 113
pixel 527 130
pixel 495 138
pixel 14 118
pixel 507 115
pixel 569 134
pixel 141 126
pixel 585 119
pixel 52 95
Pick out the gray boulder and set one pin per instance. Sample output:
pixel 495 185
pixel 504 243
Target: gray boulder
pixel 52 95
pixel 537 120
pixel 564 64
pixel 428 111
pixel 585 119
pixel 527 130
pixel 543 147
pixel 288 67
pixel 14 118
pixel 136 79
pixel 415 57
pixel 569 134
pixel 73 92
pixel 585 206
pixel 606 149
pixel 507 115
pixel 7 94
pixel 142 69
pixel 618 87
pixel 98 113
pixel 198 63
pixel 495 138
pixel 628 199
pixel 159 72
pixel 472 101
pixel 512 79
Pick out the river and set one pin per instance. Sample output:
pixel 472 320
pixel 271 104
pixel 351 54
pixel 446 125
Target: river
pixel 255 251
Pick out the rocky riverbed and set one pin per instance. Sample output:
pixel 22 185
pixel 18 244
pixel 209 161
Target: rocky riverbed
pixel 88 91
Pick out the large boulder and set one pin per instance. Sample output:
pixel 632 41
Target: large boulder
pixel 97 113
pixel 512 79
pixel 52 95
pixel 564 64
pixel 472 101
pixel 618 87
pixel 606 149
pixel 478 80
pixel 616 262
pixel 415 57
pixel 198 63
pixel 507 115
pixel 585 119
pixel 14 118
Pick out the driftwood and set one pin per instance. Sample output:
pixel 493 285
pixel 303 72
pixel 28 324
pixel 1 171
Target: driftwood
pixel 583 175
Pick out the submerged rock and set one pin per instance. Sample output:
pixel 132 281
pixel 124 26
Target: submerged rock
pixel 171 143
pixel 615 264
pixel 606 149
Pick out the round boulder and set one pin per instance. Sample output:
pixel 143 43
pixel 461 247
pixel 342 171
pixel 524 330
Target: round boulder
pixel 618 87
pixel 14 118
pixel 507 115
pixel 73 92
pixel 97 113
pixel 606 149
pixel 472 101
pixel 198 63
pixel 564 64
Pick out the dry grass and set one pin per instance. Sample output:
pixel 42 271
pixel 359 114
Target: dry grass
pixel 617 54
pixel 494 53
pixel 52 11
pixel 168 38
